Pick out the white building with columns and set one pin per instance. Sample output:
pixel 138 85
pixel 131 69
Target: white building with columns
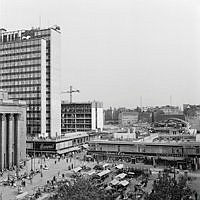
pixel 12 131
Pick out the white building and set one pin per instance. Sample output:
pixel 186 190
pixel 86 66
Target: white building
pixel 30 71
pixel 130 135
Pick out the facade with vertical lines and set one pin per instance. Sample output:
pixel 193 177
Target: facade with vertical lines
pixel 81 116
pixel 30 71
pixel 12 131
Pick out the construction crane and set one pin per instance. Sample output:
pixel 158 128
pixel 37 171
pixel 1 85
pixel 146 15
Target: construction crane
pixel 70 91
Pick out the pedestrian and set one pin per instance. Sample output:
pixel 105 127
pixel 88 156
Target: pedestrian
pixel 196 196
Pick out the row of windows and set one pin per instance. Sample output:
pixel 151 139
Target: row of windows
pixel 29 50
pixel 34 115
pixel 29 69
pixel 20 56
pixel 14 65
pixel 77 122
pixel 33 101
pixel 9 60
pixel 24 43
pixel 21 76
pixel 25 89
pixel 25 83
pixel 76 115
pixel 24 96
pixel 21 63
pixel 33 108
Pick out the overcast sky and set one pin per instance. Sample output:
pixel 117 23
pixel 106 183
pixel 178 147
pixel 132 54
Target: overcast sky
pixel 118 50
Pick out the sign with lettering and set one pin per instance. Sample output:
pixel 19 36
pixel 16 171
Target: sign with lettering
pixel 45 146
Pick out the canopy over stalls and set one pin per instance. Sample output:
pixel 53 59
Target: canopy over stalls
pixel 78 169
pixel 120 166
pixel 103 173
pixel 86 146
pixel 120 176
pixel 21 196
pixel 124 183
pixel 91 173
pixel 114 182
pixel 106 165
pixel 108 188
pixel 44 197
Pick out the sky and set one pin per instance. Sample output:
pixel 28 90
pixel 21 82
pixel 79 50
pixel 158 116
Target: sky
pixel 120 51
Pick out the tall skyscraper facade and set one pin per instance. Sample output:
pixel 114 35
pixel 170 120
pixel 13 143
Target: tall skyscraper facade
pixel 30 71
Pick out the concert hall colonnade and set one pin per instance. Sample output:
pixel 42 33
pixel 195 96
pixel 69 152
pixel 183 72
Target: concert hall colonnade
pixel 12 133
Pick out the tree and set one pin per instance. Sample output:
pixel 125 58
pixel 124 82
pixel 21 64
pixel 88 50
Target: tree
pixel 167 188
pixel 81 189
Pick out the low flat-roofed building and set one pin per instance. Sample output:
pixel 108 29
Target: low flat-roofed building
pixel 12 131
pixel 57 146
pixel 183 153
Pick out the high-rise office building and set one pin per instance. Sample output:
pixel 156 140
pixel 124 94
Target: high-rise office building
pixel 30 71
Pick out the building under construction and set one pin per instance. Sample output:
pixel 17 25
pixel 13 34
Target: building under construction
pixel 81 116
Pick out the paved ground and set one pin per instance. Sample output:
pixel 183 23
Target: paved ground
pixel 9 193
pixel 61 167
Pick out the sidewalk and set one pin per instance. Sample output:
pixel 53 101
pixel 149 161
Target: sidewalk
pixel 61 167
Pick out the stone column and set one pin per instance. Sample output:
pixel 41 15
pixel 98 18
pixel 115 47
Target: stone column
pixel 16 139
pixel 3 141
pixel 11 141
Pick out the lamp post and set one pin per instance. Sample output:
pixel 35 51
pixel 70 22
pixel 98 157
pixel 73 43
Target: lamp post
pixel 34 153
pixel 174 164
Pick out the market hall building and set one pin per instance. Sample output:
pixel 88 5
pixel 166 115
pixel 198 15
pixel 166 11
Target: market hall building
pixel 72 142
pixel 12 131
